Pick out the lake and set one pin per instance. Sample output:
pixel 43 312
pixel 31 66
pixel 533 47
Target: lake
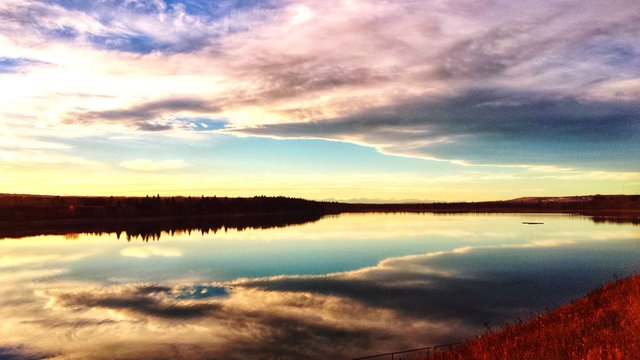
pixel 339 287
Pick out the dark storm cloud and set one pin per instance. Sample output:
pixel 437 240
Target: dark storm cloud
pixel 489 126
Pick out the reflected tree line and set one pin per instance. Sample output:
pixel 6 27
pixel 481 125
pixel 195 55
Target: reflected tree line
pixel 151 216
pixel 153 229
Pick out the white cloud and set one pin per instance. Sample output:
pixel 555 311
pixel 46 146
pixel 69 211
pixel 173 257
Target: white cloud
pixel 153 165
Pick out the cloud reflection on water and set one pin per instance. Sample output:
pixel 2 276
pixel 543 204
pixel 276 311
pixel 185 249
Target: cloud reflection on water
pixel 401 302
pixel 432 298
pixel 145 252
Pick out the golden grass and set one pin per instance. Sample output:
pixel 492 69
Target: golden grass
pixel 604 325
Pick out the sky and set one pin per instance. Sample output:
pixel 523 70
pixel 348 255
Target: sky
pixel 339 99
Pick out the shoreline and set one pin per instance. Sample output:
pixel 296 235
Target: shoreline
pixel 604 323
pixel 24 215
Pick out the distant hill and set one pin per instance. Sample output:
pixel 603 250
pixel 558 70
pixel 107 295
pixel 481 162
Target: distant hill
pixel 626 205
pixel 570 199
pixel 557 199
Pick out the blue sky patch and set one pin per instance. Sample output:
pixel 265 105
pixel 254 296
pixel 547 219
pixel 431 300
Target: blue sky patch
pixel 198 292
pixel 218 9
pixel 209 9
pixel 65 33
pixel 202 124
pixel 10 65
pixel 130 43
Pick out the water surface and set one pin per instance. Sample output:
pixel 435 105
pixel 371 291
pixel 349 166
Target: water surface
pixel 342 286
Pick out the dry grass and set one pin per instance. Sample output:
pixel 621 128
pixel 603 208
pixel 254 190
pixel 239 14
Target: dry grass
pixel 604 325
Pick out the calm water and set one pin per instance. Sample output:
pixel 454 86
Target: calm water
pixel 340 287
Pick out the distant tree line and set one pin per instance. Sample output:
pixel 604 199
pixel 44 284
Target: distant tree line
pixel 26 207
pixel 585 205
pixel 149 216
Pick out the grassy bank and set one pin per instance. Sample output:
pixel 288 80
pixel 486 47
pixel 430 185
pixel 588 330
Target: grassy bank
pixel 605 324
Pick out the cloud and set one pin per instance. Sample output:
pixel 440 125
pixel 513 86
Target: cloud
pixel 505 91
pixel 399 303
pixel 455 286
pixel 623 90
pixel 146 252
pixel 12 65
pixel 27 275
pixel 22 352
pixel 16 260
pixel 488 127
pixel 491 83
pixel 148 116
pixel 144 300
pixel 153 165
pixel 249 322
pixel 139 27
